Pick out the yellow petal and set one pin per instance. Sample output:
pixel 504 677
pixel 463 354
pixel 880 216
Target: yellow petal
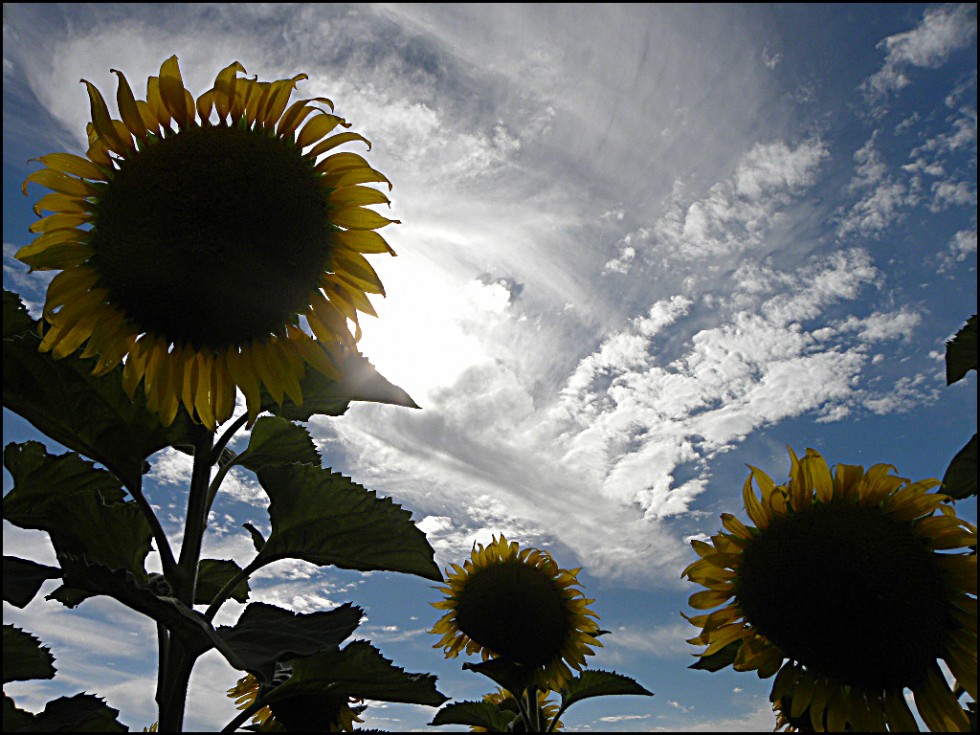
pixel 317 127
pixel 362 241
pixel 359 218
pixel 900 717
pixel 128 108
pixel 755 510
pixel 816 475
pixel 333 141
pixel 277 100
pixel 61 203
pixel 60 183
pixel 205 379
pixel 59 222
pixel 173 94
pixel 224 88
pixel 71 164
pixel 103 123
pixel 295 115
pixel 357 196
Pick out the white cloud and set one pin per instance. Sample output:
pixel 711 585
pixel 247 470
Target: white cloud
pixel 942 30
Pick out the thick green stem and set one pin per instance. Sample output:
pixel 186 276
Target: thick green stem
pixel 178 662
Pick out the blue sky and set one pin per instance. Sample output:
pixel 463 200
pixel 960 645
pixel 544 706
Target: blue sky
pixel 642 247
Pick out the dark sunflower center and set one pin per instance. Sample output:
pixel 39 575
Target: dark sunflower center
pixel 214 236
pixel 515 610
pixel 848 593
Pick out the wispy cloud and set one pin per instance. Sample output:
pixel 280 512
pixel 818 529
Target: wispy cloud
pixel 942 30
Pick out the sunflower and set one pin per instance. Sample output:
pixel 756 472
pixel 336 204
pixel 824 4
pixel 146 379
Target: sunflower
pixel 335 711
pixel 852 587
pixel 503 700
pixel 195 235
pixel 519 606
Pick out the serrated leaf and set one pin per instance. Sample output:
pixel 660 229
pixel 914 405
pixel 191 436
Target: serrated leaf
pixel 23 578
pixel 960 480
pixel 42 479
pixel 78 505
pixel 475 714
pixel 961 352
pixel 325 518
pixel 24 657
pixel 361 382
pixel 358 670
pixel 275 440
pixel 597 683
pixel 513 677
pixel 265 634
pixel 258 540
pixel 81 713
pixel 212 575
pixel 718 660
pixel 92 416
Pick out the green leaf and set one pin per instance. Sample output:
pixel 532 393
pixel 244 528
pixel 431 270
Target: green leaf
pixel 42 479
pixel 718 660
pixel 475 714
pixel 24 657
pixel 361 382
pixel 325 518
pixel 92 416
pixel 15 718
pixel 212 575
pixel 960 480
pixel 81 713
pixel 258 541
pixel 275 440
pixel 265 634
pixel 358 670
pixel 23 578
pixel 513 677
pixel 597 683
pixel 78 505
pixel 961 352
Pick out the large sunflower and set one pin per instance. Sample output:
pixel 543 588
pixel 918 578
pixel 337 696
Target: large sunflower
pixel 518 605
pixel 195 235
pixel 852 587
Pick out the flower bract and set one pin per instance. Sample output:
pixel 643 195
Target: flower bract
pixel 505 602
pixel 850 587
pixel 196 236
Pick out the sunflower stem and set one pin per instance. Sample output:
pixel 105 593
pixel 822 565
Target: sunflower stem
pixel 179 662
pixel 163 544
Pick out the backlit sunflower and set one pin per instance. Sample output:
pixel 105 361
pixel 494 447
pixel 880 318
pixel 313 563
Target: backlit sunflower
pixel 518 605
pixel 504 701
pixel 852 587
pixel 195 235
pixel 331 714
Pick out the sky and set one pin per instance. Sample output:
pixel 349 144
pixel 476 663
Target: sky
pixel 640 248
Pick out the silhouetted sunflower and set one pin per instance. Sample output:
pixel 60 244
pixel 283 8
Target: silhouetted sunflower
pixel 191 247
pixel 325 714
pixel 520 606
pixel 504 701
pixel 852 587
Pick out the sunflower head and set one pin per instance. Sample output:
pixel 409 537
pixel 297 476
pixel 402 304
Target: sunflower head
pixel 503 700
pixel 852 585
pixel 305 713
pixel 517 605
pixel 196 236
